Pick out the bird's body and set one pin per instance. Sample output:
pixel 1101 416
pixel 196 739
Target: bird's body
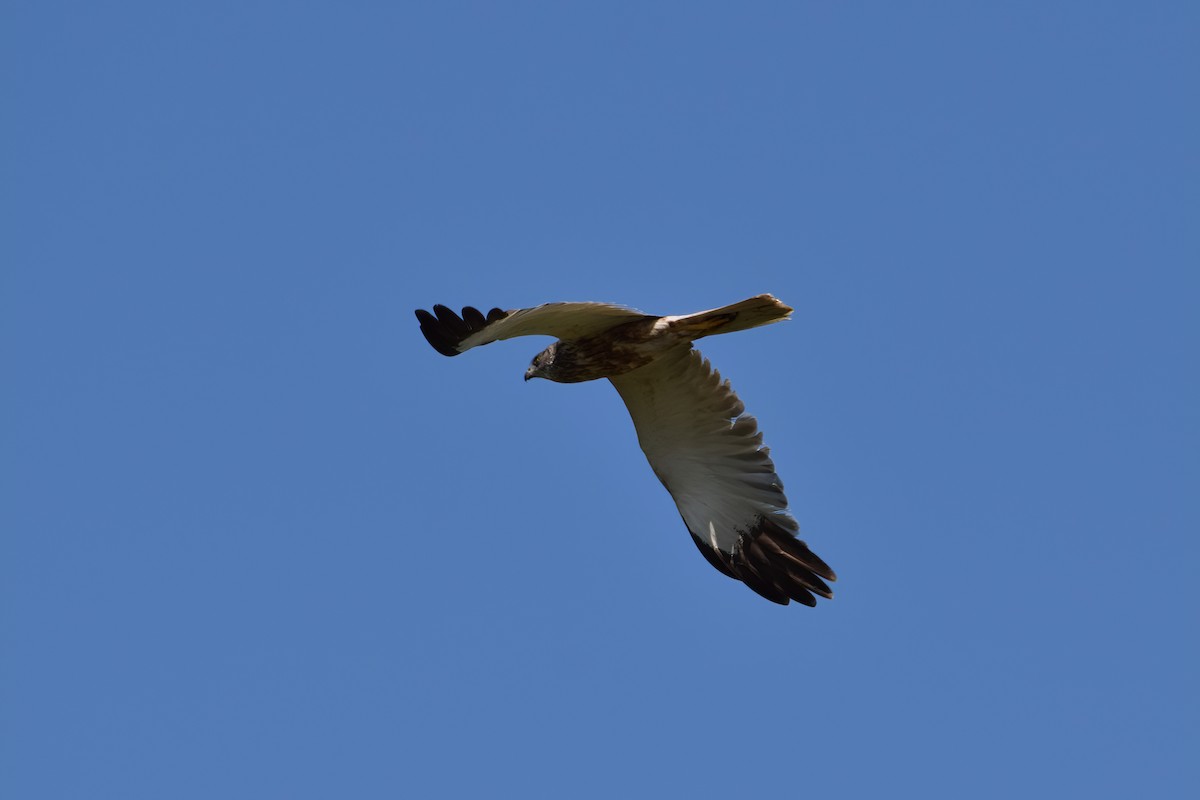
pixel 692 427
pixel 603 355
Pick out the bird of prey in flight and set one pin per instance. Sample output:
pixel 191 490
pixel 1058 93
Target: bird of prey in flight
pixel 701 444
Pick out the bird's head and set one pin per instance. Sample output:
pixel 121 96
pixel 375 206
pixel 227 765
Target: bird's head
pixel 542 365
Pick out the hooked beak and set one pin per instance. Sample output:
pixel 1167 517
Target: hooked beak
pixel 528 374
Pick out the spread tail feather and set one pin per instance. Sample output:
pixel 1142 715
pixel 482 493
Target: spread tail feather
pixel 761 310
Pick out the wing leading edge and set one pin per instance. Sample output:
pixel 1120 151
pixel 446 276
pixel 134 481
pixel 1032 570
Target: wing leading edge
pixel 451 334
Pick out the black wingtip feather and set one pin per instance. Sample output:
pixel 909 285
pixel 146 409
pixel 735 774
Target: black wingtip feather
pixel 445 330
pixel 714 556
pixel 773 563
pixel 473 318
pixel 436 333
pixel 762 585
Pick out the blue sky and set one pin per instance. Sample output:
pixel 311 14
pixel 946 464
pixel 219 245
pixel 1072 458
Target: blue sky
pixel 259 540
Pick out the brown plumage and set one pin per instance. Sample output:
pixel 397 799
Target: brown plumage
pixel 701 444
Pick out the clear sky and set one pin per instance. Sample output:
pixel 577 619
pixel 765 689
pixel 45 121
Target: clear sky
pixel 257 539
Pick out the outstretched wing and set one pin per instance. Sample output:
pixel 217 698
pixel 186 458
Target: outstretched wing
pixel 709 455
pixel 451 334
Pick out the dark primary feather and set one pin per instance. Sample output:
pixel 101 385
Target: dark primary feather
pixel 714 556
pixel 774 563
pixel 446 330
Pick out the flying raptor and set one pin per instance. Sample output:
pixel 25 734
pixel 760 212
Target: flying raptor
pixel 701 444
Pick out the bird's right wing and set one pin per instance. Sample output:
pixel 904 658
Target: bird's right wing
pixel 451 334
pixel 709 455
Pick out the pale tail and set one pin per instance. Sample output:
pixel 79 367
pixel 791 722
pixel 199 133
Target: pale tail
pixel 761 310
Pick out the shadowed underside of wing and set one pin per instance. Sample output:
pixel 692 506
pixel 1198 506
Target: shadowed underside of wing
pixel 709 455
pixel 451 334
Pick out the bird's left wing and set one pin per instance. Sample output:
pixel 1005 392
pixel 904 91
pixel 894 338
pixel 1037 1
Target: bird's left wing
pixel 451 334
pixel 709 455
